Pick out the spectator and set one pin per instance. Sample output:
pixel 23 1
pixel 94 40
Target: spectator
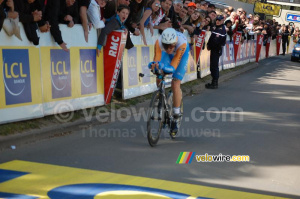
pixel 186 3
pixel 215 43
pixel 183 15
pixel 296 34
pixel 211 7
pixel 239 11
pixel 10 18
pixel 207 24
pixel 191 8
pixel 2 14
pixel 116 23
pixel 134 18
pixel 228 26
pixel 30 12
pixel 110 8
pixel 68 13
pixel 226 12
pixel 178 6
pixel 251 19
pixel 230 10
pixel 198 4
pixel 256 27
pixel 150 13
pixel 170 19
pixel 256 18
pixel 203 7
pixel 89 11
pixel 192 24
pixel 267 33
pixel 285 39
pixel 54 13
pixel 212 15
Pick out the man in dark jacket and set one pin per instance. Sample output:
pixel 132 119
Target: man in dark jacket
pixel 215 43
pixel 30 13
pixel 285 39
pixel 54 12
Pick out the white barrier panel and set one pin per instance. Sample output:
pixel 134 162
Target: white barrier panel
pixel 273 48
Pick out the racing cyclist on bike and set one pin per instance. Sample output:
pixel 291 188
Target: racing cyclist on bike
pixel 171 55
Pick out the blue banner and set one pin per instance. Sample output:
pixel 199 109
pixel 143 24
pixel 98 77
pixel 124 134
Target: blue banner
pixel 145 61
pixel 132 67
pixel 60 73
pixel 16 74
pixel 293 17
pixel 88 73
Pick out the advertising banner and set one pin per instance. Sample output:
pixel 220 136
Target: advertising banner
pixel 258 46
pixel 267 8
pixel 16 76
pixel 88 71
pixel 60 71
pixel 268 46
pixel 132 67
pixel 113 52
pixel 278 42
pixel 136 61
pixel 199 45
pixel 228 55
pixel 20 84
pixel 293 17
pixel 144 62
pixel 236 42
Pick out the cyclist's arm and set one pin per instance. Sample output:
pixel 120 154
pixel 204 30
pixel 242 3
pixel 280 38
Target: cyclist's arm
pixel 157 52
pixel 178 55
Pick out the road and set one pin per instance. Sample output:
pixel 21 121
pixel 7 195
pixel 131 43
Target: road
pixel 255 114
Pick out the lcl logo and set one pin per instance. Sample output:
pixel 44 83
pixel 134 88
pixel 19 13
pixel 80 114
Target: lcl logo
pixel 11 73
pixel 59 68
pixel 87 66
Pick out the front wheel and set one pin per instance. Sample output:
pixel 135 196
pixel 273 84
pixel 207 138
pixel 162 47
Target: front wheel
pixel 170 105
pixel 155 118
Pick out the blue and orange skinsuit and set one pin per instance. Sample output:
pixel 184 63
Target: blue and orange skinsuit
pixel 176 62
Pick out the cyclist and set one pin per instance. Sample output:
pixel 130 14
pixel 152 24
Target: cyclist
pixel 171 55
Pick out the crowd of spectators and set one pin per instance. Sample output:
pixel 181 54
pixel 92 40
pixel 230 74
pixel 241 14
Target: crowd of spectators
pixel 39 16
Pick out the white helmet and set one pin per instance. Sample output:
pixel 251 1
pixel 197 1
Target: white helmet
pixel 169 36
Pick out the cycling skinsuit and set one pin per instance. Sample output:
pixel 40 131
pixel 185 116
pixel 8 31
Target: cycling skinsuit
pixel 178 59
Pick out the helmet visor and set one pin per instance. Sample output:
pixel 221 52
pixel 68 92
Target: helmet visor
pixel 167 46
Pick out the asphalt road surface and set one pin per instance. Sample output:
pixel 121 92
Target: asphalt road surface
pixel 256 114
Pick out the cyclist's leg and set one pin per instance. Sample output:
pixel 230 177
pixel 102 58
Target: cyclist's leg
pixel 177 78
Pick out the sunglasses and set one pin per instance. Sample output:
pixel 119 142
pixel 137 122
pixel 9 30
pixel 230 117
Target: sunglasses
pixel 157 5
pixel 167 46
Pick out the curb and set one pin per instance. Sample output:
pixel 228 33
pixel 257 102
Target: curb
pixel 57 130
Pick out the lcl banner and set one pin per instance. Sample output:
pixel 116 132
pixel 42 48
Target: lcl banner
pixel 258 46
pixel 268 46
pixel 199 45
pixel 113 52
pixel 278 42
pixel 236 42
